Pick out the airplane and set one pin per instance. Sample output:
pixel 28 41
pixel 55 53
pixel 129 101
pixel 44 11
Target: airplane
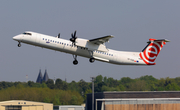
pixel 94 49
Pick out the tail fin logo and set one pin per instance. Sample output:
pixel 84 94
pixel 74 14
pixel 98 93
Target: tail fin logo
pixel 150 53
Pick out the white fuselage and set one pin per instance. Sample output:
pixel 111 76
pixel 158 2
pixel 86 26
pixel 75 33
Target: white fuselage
pixel 62 45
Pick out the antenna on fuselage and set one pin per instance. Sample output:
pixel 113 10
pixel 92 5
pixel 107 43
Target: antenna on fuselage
pixel 58 35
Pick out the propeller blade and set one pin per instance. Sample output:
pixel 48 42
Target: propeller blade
pixel 74 34
pixel 73 38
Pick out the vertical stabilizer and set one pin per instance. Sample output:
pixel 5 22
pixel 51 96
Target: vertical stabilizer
pixel 151 51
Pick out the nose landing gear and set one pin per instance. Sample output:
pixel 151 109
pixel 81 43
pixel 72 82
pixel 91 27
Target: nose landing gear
pixel 19 45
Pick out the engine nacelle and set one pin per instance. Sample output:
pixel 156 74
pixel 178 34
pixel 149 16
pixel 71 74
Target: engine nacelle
pixel 90 46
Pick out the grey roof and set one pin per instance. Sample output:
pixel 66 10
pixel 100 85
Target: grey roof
pixel 46 77
pixel 39 78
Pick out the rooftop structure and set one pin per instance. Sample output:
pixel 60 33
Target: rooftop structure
pixel 40 78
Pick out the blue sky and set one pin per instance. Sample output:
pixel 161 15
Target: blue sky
pixel 131 23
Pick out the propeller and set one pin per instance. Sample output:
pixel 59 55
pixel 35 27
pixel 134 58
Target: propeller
pixel 59 35
pixel 73 37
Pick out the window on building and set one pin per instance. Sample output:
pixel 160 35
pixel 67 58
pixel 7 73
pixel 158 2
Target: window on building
pixel 13 108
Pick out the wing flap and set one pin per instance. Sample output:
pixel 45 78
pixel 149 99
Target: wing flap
pixel 101 59
pixel 101 40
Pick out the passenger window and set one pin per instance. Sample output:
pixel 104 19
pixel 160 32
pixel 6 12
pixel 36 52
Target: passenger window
pixel 58 42
pixel 43 38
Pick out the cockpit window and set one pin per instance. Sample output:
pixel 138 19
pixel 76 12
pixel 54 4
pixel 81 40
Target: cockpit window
pixel 27 33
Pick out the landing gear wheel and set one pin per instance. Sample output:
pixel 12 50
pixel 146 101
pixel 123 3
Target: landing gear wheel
pixel 19 45
pixel 75 62
pixel 91 60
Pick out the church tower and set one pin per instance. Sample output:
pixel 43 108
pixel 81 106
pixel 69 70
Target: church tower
pixel 39 78
pixel 46 77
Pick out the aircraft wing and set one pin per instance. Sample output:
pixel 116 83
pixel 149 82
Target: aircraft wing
pixel 101 40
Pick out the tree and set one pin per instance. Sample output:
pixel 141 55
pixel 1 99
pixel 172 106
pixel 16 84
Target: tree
pixel 138 86
pixel 50 84
pixel 59 84
pixel 30 83
pixel 73 86
pixel 83 86
pixel 98 79
pixel 44 85
pixel 65 86
pixel 172 87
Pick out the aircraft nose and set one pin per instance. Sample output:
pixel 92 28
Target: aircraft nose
pixel 17 38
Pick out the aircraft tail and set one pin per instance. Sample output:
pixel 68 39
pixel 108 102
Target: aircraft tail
pixel 151 51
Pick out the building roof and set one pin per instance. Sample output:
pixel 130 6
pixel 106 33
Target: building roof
pixel 39 78
pixel 46 77
pixel 22 102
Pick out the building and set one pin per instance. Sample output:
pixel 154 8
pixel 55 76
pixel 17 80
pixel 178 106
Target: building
pixel 139 104
pixel 24 105
pixel 158 100
pixel 40 79
pixel 68 107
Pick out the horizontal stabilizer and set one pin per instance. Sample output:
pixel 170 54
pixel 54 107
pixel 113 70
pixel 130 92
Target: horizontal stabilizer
pixel 158 40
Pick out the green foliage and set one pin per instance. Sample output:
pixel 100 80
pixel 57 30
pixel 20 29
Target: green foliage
pixel 172 87
pixel 87 92
pixel 59 84
pixel 57 97
pixel 63 93
pixel 50 84
pixel 106 88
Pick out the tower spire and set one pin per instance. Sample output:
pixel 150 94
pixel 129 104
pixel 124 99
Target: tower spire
pixel 39 78
pixel 46 77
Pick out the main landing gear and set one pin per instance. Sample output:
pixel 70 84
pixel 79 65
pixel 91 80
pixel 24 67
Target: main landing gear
pixel 19 45
pixel 91 60
pixel 75 62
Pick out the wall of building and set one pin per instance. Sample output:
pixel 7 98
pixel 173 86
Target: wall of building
pixel 26 105
pixel 142 107
pixel 124 95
